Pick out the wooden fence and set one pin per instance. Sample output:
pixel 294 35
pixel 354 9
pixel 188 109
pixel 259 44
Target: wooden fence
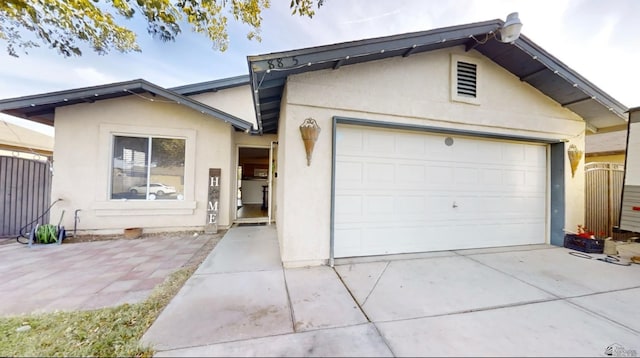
pixel 603 193
pixel 25 186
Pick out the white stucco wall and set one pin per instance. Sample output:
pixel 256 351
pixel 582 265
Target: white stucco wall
pixel 413 90
pixel 237 101
pixel 82 162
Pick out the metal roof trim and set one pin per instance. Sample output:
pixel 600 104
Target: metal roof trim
pixel 570 76
pixel 359 48
pixel 56 99
pixel 211 86
pixel 65 95
pixel 481 26
pixel 306 60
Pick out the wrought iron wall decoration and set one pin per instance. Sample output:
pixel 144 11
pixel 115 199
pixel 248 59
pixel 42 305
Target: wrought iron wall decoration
pixel 575 155
pixel 310 131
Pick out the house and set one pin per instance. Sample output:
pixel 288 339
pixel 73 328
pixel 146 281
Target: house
pixel 433 140
pixel 609 146
pixel 630 206
pixel 23 142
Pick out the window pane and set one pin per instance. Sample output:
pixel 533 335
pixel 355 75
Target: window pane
pixel 167 168
pixel 129 168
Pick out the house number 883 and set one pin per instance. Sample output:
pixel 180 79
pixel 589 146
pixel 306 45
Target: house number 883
pixel 280 62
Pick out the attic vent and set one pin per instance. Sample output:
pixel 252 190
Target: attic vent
pixel 467 76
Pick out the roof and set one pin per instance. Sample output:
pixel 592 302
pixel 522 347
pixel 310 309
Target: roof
pixel 211 86
pixel 606 143
pixel 21 139
pixel 40 108
pixel 523 58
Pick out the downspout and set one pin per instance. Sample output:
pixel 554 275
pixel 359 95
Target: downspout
pixel 333 193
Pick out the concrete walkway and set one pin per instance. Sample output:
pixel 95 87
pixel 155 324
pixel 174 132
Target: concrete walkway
pixel 528 300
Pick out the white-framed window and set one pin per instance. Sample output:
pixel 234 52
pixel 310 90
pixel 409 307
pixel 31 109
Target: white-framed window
pixel 147 167
pixel 465 79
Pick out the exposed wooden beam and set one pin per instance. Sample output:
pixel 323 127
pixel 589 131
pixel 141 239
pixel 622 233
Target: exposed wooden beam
pixel 532 74
pixel 409 51
pixel 584 99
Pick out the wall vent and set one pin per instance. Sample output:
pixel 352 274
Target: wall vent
pixel 467 74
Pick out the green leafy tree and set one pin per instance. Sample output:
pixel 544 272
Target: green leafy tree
pixel 64 24
pixel 168 152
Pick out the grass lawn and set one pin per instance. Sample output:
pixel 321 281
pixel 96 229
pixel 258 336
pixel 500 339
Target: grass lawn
pixel 107 332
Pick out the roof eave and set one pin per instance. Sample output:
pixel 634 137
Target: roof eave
pixel 200 107
pixel 268 72
pixel 569 75
pixel 211 86
pixel 50 101
pixel 307 59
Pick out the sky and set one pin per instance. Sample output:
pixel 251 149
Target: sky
pixel 597 39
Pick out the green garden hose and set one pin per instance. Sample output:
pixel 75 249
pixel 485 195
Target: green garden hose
pixel 46 234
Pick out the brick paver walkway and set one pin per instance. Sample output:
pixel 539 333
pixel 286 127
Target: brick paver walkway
pixel 89 275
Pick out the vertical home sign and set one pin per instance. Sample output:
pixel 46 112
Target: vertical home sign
pixel 211 226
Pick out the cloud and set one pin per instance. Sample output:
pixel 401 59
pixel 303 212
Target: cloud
pixel 371 18
pixel 595 38
pixel 91 76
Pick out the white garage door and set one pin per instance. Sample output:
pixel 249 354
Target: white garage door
pixel 404 191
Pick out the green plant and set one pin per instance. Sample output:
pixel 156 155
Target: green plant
pixel 46 234
pixel 107 332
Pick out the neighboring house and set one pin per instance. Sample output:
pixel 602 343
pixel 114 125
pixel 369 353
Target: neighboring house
pixel 434 140
pixel 606 147
pixel 22 142
pixel 630 208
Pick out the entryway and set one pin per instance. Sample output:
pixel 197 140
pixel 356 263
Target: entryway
pixel 253 184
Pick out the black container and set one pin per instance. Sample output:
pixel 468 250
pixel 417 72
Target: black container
pixel 575 242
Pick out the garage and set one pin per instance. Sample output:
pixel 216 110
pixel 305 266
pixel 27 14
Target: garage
pixel 406 191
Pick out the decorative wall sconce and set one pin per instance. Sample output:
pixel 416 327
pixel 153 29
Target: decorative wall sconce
pixel 575 155
pixel 310 131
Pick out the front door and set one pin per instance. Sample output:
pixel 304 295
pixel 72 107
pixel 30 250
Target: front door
pixel 253 184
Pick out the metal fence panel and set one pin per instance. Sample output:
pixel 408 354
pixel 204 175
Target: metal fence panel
pixel 25 189
pixel 603 192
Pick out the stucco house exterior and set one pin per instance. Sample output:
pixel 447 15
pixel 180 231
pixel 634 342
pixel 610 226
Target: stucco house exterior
pixel 434 140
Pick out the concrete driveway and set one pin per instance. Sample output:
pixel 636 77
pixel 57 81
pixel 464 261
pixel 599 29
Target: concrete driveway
pixel 517 301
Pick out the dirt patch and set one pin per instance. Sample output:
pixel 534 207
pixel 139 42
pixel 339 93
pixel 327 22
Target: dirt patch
pixel 176 234
pixel 212 241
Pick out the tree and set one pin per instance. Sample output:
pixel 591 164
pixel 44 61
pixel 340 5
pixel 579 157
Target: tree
pixel 64 24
